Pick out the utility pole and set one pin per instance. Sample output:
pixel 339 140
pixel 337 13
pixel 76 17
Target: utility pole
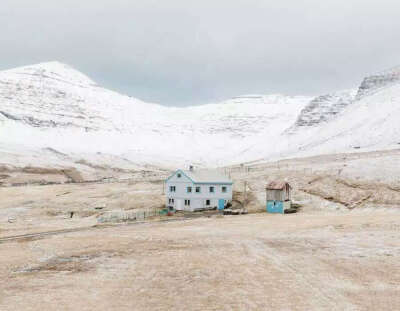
pixel 244 194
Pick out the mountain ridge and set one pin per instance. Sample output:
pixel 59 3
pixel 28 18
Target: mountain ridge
pixel 58 107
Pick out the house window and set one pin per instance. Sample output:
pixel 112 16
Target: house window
pixel 179 175
pixel 171 201
pixel 189 189
pixel 197 189
pixel 224 189
pixel 212 189
pixel 187 202
pixel 172 188
pixel 208 202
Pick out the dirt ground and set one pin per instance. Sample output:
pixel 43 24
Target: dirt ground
pixel 30 209
pixel 339 252
pixel 250 262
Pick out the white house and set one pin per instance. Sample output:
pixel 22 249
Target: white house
pixel 191 190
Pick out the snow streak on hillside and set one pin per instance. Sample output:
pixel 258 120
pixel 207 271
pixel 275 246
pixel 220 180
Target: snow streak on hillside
pixel 51 105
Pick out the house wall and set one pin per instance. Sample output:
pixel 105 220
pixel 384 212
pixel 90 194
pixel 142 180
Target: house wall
pixel 197 200
pixel 275 195
pixel 287 193
pixel 278 195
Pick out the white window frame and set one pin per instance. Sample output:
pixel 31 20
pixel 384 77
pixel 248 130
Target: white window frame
pixel 213 189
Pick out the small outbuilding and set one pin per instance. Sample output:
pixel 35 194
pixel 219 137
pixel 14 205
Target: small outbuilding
pixel 278 197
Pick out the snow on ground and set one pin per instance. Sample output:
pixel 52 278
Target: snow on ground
pixel 51 105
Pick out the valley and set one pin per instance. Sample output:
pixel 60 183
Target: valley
pixel 72 153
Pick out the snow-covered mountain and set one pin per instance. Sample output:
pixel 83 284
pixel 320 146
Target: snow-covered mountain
pixel 53 95
pixel 323 108
pixel 365 119
pixel 51 105
pixel 370 123
pixel 378 81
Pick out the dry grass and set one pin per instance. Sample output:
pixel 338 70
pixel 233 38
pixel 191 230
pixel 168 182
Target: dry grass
pixel 251 262
pixel 74 264
pixel 327 257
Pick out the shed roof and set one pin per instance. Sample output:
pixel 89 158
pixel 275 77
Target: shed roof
pixel 207 176
pixel 277 185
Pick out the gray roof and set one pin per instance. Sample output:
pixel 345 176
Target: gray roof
pixel 207 176
pixel 278 185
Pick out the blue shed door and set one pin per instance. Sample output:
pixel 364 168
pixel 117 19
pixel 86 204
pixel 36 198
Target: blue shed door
pixel 221 204
pixel 275 207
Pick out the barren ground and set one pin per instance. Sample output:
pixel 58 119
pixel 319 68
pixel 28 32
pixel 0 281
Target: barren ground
pixel 252 262
pixel 340 252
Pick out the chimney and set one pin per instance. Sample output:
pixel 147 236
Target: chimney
pixel 191 168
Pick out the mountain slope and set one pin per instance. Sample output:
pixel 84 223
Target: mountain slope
pixel 370 123
pixel 341 123
pixel 323 108
pixel 57 96
pixel 53 105
pixel 378 81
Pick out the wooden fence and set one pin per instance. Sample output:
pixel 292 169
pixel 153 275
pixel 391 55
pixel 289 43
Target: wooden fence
pixel 124 216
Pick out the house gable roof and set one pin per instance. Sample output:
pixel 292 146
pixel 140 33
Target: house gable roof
pixel 176 173
pixel 278 185
pixel 204 176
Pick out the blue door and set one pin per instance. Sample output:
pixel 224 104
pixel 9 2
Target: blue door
pixel 275 207
pixel 221 204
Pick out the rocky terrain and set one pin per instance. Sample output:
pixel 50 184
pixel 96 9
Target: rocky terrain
pixel 378 81
pixel 323 109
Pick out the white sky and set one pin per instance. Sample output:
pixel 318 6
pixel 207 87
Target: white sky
pixel 182 52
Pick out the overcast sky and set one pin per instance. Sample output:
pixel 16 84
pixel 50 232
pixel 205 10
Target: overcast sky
pixel 182 52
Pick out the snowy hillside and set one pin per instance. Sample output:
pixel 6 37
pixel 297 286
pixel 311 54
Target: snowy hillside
pixel 343 122
pixel 51 105
pixel 323 109
pixel 53 95
pixel 371 123
pixel 378 81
